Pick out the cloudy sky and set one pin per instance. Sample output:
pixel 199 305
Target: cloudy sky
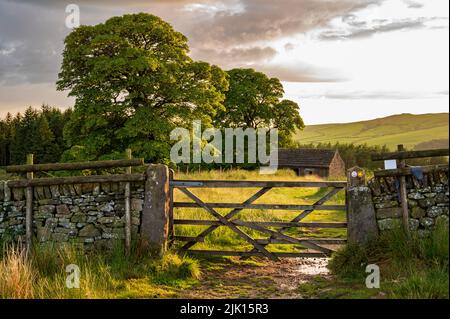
pixel 341 60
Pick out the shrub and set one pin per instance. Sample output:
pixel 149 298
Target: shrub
pixel 349 263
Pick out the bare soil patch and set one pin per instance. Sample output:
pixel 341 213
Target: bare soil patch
pixel 233 278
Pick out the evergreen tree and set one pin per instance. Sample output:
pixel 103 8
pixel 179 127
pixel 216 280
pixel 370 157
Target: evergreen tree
pixel 39 132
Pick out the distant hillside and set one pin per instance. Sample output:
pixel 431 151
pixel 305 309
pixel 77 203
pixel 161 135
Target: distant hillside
pixel 423 131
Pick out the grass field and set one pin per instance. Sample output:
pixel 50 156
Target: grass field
pixel 226 239
pixel 407 129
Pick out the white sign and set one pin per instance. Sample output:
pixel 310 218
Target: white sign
pixel 390 164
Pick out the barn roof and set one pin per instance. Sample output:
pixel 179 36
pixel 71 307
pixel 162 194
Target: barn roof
pixel 303 157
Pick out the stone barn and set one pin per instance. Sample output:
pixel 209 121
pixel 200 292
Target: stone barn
pixel 320 162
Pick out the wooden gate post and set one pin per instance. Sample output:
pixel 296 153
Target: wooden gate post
pixel 361 217
pixel 171 225
pixel 29 209
pixel 128 207
pixel 403 192
pixel 156 210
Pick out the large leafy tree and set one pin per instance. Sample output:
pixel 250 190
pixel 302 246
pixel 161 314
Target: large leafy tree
pixel 254 100
pixel 134 82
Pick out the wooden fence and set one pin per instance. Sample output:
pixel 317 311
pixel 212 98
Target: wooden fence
pixel 403 170
pixel 30 182
pixel 275 231
pixel 315 246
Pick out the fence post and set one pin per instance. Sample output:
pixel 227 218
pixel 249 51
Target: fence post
pixel 156 210
pixel 128 207
pixel 29 208
pixel 403 192
pixel 361 217
pixel 171 190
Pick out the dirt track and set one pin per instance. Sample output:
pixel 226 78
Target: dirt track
pixel 268 279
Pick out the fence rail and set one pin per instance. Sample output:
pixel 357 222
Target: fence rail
pixel 30 182
pixel 409 171
pixel 264 224
pixel 402 155
pixel 253 184
pixel 74 166
pixel 257 254
pixel 263 206
pixel 403 170
pixel 267 241
pixel 75 180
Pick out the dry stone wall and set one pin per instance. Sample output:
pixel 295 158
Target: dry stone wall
pixel 89 214
pixel 428 201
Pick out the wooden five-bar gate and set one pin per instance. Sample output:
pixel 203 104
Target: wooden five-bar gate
pixel 274 230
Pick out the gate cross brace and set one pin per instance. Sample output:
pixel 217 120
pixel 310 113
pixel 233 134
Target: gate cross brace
pixel 321 201
pixel 235 211
pixel 278 235
pixel 225 220
pixel 305 213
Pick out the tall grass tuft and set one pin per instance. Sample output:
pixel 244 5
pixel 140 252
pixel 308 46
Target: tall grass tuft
pixel 350 262
pixel 103 274
pixel 16 274
pixel 172 268
pixel 436 247
pixel 411 266
pixel 429 284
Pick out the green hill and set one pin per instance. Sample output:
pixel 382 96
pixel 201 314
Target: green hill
pixel 413 131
